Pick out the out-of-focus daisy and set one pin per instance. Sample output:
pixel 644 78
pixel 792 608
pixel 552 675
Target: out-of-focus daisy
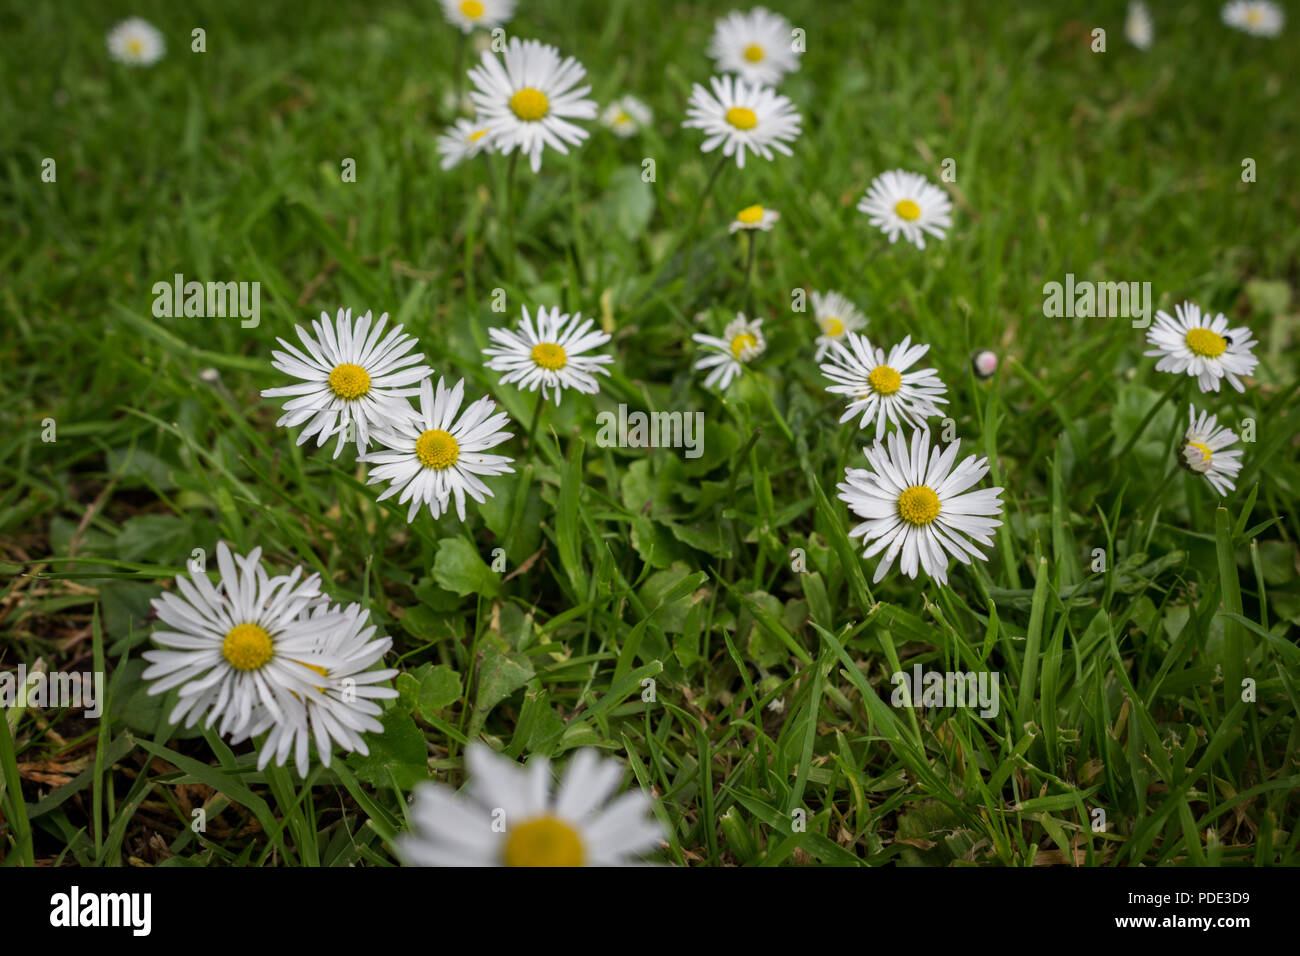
pixel 136 42
pixel 756 46
pixel 625 116
pixel 550 354
pixel 836 316
pixel 1256 17
pixel 466 138
pixel 510 815
pixel 241 645
pixel 472 15
pixel 526 102
pixel 880 386
pixel 1203 451
pixel 353 381
pixel 755 217
pixel 984 363
pixel 1203 347
pixel 436 455
pixel 739 116
pixel 918 508
pixel 1138 27
pixel 742 341
pixel 900 202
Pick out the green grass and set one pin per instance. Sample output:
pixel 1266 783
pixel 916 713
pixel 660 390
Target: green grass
pixel 1119 688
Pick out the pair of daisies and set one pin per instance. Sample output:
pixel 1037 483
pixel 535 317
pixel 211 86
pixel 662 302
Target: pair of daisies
pixel 355 382
pixel 1259 18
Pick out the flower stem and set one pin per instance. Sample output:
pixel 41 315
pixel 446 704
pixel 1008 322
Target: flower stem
pixel 512 253
pixel 1151 414
pixel 747 294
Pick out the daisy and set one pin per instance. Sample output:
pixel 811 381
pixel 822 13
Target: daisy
pixel 836 316
pixel 915 504
pixel 351 381
pixel 625 116
pixel 1138 26
pixel 756 46
pixel 240 646
pixel 755 217
pixel 880 386
pixel 470 15
pixel 739 116
pixel 136 42
pixel 466 139
pixel 742 341
pixel 1256 17
pixel 549 355
pixel 902 202
pixel 510 815
pixel 1203 347
pixel 526 104
pixel 435 455
pixel 1203 453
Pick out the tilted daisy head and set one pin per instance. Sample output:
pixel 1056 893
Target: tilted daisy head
pixel 883 385
pixel 435 456
pixel 903 203
pixel 1138 28
pixel 742 341
pixel 527 98
pixel 836 317
pixel 1204 451
pixel 625 116
pixel 472 15
pixel 755 217
pixel 550 354
pixel 918 508
pixel 511 815
pixel 1256 17
pixel 740 117
pixel 136 42
pixel 466 139
pixel 1191 341
pixel 757 46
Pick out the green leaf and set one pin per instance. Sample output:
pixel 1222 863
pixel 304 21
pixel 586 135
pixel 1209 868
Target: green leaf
pixel 459 569
pixel 397 754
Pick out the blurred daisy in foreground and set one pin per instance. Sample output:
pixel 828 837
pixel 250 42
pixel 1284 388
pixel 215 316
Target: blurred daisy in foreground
pixel 472 15
pixel 755 217
pixel 742 341
pixel 903 202
pixel 1138 27
pixel 757 46
pixel 1256 17
pixel 625 116
pixel 436 455
pixel 511 815
pixel 466 139
pixel 836 316
pixel 917 507
pixel 136 42
pixel 1203 451
pixel 526 102
pixel 353 381
pixel 880 386
pixel 739 116
pixel 1203 347
pixel 549 354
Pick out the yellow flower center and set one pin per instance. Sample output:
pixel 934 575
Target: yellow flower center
pixel 349 381
pixel 471 8
pixel 135 45
pixel 918 505
pixel 884 380
pixel 530 104
pixel 908 210
pixel 549 356
pixel 544 841
pixel 1254 16
pixel 742 342
pixel 437 449
pixel 750 215
pixel 1203 448
pixel 622 118
pixel 477 135
pixel 1206 343
pixel 833 327
pixel 754 53
pixel 742 117
pixel 247 647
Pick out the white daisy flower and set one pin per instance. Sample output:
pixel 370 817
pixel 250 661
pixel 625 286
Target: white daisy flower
pixel 880 386
pixel 466 139
pixel 742 341
pixel 915 504
pixel 352 381
pixel 241 645
pixel 1203 347
pixel 756 46
pixel 836 316
pixel 1256 17
pixel 755 217
pixel 739 116
pixel 510 815
pixel 527 103
pixel 550 354
pixel 899 201
pixel 625 116
pixel 1203 451
pixel 136 42
pixel 1138 27
pixel 436 455
pixel 472 15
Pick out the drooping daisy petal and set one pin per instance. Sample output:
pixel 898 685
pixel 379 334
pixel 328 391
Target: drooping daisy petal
pixel 836 316
pixel 549 354
pixel 742 117
pixel 757 46
pixel 903 203
pixel 1204 347
pixel 724 358
pixel 882 386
